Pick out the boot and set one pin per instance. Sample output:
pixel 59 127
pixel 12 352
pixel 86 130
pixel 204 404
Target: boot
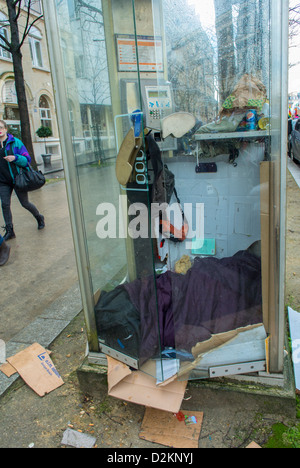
pixel 4 253
pixel 9 234
pixel 41 221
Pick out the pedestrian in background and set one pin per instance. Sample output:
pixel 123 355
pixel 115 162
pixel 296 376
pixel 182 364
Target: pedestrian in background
pixel 4 251
pixel 13 155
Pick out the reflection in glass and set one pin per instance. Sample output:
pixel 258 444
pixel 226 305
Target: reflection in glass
pixel 91 120
pixel 221 75
pixel 183 101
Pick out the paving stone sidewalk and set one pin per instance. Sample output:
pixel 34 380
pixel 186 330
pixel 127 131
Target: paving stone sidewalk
pixel 40 294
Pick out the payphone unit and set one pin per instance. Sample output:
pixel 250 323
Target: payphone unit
pixel 157 103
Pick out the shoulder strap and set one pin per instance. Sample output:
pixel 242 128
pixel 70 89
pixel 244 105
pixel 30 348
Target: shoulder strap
pixel 154 154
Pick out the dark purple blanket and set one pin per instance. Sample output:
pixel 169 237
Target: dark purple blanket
pixel 216 295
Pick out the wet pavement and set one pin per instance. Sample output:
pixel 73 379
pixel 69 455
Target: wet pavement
pixel 40 293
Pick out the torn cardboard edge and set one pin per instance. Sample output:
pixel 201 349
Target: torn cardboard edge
pixel 253 445
pixel 219 340
pixel 121 380
pixel 214 343
pixel 140 387
pixel 35 367
pixel 8 369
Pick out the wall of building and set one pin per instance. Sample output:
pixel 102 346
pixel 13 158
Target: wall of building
pixel 38 83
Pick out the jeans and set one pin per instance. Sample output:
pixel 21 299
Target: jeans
pixel 1 239
pixel 5 195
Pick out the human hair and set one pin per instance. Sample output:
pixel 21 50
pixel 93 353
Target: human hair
pixel 4 124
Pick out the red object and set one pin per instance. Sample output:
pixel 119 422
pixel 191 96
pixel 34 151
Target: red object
pixel 180 416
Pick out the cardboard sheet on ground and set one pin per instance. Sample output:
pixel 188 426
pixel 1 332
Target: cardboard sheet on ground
pixel 253 445
pixel 294 322
pixel 8 370
pixel 164 428
pixel 36 368
pixel 140 387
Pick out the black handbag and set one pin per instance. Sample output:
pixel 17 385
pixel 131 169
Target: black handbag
pixel 28 180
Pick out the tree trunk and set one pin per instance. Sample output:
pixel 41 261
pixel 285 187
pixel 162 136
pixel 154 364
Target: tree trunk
pixel 19 80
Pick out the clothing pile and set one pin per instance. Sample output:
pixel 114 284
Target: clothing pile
pixel 148 315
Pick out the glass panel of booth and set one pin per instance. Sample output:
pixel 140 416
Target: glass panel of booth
pixel 219 78
pixel 171 125
pixel 114 195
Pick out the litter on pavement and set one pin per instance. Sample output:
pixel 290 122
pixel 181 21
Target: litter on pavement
pixel 77 439
pixel 36 369
pixel 165 428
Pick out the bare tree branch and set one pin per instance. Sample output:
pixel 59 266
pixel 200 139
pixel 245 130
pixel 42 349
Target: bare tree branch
pixel 27 30
pixel 83 4
pixel 19 10
pixel 7 45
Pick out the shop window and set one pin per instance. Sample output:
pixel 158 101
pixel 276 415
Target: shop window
pixel 45 112
pixel 36 47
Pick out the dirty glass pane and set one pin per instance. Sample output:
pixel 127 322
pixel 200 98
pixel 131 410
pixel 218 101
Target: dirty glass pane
pixel 91 120
pixel 211 239
pixel 172 118
pixel 107 128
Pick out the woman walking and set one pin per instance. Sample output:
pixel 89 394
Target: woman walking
pixel 13 155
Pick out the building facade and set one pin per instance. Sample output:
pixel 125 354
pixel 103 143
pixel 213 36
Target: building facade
pixel 37 76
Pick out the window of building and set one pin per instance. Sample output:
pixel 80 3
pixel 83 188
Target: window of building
pixel 9 95
pixel 71 6
pixel 4 31
pixel 9 98
pixel 35 7
pixel 45 112
pixel 35 38
pixel 11 113
pixel 79 66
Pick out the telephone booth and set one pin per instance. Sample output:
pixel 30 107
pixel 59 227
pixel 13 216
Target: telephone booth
pixel 173 132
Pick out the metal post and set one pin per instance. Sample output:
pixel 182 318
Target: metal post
pixel 279 106
pixel 283 169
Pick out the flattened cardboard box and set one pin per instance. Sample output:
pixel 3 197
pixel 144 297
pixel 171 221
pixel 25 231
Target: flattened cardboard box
pixel 141 388
pixel 163 428
pixel 8 370
pixel 253 445
pixel 37 369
